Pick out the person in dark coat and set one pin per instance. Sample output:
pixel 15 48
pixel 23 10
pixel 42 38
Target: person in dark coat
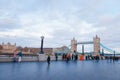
pixel 56 56
pixel 63 57
pixel 76 57
pixel 72 56
pixel 48 59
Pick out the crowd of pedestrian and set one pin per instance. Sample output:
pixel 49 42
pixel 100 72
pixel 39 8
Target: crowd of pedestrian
pixel 111 58
pixel 89 57
pixel 68 57
pixel 17 56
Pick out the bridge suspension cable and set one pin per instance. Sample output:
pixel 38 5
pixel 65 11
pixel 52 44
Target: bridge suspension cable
pixel 108 49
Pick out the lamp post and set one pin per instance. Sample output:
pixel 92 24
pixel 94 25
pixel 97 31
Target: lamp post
pixel 41 49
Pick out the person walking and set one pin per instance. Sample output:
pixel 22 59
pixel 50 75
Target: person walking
pixel 20 56
pixel 72 56
pixel 56 56
pixel 63 57
pixel 48 59
pixel 68 57
pixel 15 56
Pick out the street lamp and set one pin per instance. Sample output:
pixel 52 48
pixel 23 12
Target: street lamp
pixel 41 49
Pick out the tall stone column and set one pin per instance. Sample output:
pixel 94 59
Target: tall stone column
pixel 73 45
pixel 41 49
pixel 41 55
pixel 96 41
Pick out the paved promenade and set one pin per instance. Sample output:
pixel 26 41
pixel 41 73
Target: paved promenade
pixel 60 70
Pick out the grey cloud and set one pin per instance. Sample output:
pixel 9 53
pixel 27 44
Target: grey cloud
pixel 9 21
pixel 110 35
pixel 70 13
pixel 109 20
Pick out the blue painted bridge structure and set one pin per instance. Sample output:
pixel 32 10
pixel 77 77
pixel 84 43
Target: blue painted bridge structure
pixel 98 46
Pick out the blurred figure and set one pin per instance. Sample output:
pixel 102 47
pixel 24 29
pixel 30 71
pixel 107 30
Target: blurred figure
pixel 73 56
pixel 56 56
pixel 76 57
pixel 81 57
pixel 63 56
pixel 15 56
pixel 68 57
pixel 20 56
pixel 48 59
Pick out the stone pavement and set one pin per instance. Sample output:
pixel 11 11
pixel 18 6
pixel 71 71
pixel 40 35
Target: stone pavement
pixel 60 70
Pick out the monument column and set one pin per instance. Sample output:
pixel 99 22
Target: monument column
pixel 41 49
pixel 41 55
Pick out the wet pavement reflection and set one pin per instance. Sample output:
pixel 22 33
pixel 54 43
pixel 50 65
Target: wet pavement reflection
pixel 60 70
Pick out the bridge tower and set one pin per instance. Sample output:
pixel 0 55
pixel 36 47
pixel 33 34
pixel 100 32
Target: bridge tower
pixel 96 43
pixel 73 45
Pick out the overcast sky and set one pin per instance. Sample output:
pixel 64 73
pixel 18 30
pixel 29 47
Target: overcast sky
pixel 24 21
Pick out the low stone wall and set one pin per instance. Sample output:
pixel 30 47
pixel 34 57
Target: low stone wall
pixel 6 59
pixel 28 58
pixel 53 57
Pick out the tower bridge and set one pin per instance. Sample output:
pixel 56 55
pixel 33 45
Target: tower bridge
pixel 95 42
pixel 97 46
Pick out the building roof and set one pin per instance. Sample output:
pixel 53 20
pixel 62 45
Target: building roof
pixel 63 49
pixel 25 50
